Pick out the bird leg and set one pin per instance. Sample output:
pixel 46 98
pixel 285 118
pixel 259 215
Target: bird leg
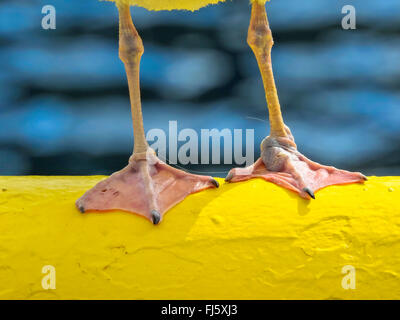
pixel 146 186
pixel 280 162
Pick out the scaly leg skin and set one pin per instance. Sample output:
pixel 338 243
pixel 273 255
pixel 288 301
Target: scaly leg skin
pixel 146 186
pixel 280 162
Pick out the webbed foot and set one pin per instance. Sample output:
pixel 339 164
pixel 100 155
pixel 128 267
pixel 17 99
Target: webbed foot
pixel 146 186
pixel 282 164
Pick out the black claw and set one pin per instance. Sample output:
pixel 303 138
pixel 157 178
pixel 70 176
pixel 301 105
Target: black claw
pixel 310 192
pixel 81 209
pixel 215 183
pixel 155 216
pixel 229 177
pixel 364 177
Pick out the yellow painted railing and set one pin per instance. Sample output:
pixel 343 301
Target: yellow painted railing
pixel 250 240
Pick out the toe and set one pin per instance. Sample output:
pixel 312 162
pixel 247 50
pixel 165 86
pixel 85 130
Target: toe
pixel 229 176
pixel 309 192
pixel 155 216
pixel 215 182
pixel 81 208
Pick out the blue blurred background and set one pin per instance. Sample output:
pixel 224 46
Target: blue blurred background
pixel 64 106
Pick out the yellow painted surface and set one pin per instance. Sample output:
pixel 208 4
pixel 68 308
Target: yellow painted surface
pixel 191 5
pixel 250 240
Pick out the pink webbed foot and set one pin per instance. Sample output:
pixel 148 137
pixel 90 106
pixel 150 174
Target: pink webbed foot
pixel 146 186
pixel 282 164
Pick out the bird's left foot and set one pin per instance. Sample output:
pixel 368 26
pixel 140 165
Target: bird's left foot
pixel 282 164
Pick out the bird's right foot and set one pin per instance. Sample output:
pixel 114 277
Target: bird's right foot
pixel 146 186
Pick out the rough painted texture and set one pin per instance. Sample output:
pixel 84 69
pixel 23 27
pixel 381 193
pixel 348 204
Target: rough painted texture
pixel 191 5
pixel 250 240
pixel 156 5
